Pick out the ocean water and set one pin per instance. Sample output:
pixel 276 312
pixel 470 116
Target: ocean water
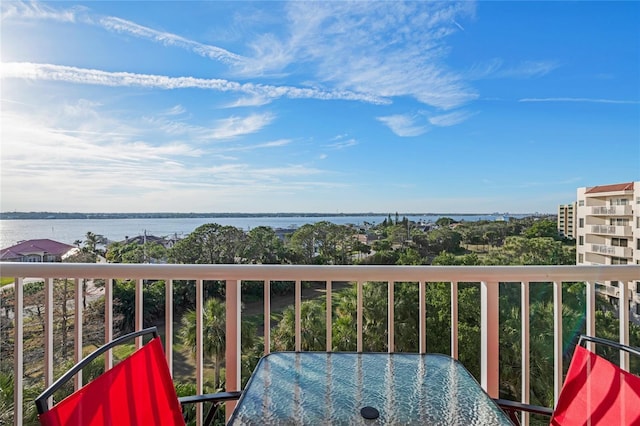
pixel 70 230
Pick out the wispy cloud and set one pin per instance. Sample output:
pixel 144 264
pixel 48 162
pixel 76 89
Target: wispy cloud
pixel 342 141
pixel 236 126
pixel 175 110
pixel 356 51
pixel 450 119
pixel 387 48
pixel 588 100
pixel 169 39
pixel 35 10
pixel 496 68
pixel 344 144
pixel 265 145
pixel 50 72
pixel 403 125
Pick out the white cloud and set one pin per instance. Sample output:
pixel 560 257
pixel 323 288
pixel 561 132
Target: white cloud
pixel 169 39
pixel 35 10
pixel 345 143
pixel 496 68
pixel 588 100
pixel 50 72
pixel 450 119
pixel 175 110
pixel 385 48
pixel 362 51
pixel 403 125
pixel 236 126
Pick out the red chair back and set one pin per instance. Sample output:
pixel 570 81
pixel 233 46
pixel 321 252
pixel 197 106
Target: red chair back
pixel 599 391
pixel 137 391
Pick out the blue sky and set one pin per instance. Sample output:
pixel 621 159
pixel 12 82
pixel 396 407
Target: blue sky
pixel 316 107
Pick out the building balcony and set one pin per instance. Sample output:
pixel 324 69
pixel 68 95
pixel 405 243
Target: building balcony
pixel 612 250
pixel 611 210
pixel 491 280
pixel 617 231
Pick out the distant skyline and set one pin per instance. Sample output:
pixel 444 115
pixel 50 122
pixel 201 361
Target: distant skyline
pixel 329 107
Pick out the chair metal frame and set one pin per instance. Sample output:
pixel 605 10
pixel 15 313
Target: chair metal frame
pixel 42 401
pixel 513 407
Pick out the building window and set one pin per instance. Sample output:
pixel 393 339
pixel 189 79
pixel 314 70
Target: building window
pixel 581 224
pixel 638 287
pixel 620 202
pixel 581 202
pixel 619 261
pixel 580 258
pixel 619 242
pixel 614 283
pixel 581 240
pixel 638 243
pixel 619 221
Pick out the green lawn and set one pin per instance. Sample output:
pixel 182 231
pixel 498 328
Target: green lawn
pixel 5 281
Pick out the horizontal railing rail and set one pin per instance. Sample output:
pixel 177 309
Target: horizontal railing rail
pixel 488 277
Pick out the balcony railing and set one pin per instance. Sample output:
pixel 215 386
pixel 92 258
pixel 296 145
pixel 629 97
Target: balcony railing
pixel 622 210
pixel 612 250
pixel 488 277
pixel 621 231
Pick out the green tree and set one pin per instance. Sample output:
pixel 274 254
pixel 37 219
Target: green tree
pixel 543 228
pixel 213 334
pixel 209 244
pixel 312 328
pixel 264 247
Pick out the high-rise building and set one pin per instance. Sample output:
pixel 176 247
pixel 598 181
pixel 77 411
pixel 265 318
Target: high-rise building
pixel 567 220
pixel 608 233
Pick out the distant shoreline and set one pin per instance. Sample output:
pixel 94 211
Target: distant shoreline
pixel 166 215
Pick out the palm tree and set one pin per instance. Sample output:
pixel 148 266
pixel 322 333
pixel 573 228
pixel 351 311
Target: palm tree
pixel 214 334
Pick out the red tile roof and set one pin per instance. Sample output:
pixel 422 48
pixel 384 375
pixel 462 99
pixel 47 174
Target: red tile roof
pixel 35 246
pixel 611 188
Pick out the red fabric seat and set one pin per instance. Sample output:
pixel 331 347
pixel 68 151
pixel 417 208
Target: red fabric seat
pixel 597 392
pixel 137 391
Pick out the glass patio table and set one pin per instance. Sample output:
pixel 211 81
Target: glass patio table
pixel 316 388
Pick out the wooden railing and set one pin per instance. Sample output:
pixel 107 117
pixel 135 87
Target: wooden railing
pixel 488 278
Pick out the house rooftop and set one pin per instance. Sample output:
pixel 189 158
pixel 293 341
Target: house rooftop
pixel 610 188
pixel 36 246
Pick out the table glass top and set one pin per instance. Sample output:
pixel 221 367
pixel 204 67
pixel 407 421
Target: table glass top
pixel 332 388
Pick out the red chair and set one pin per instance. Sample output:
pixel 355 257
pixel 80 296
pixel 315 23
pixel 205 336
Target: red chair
pixel 136 391
pixel 595 391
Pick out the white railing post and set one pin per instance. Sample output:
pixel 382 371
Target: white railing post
pixel 489 338
pixel 233 341
pixel 524 313
pixel 590 315
pixel 77 327
pixel 329 319
pixel 267 317
pixel 454 319
pixel 359 317
pixel 18 362
pixel 298 310
pixel 168 323
pixel 623 317
pixel 48 332
pixel 557 340
pixel 422 315
pixel 199 346
pixel 390 318
pixel 139 301
pixel 108 321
